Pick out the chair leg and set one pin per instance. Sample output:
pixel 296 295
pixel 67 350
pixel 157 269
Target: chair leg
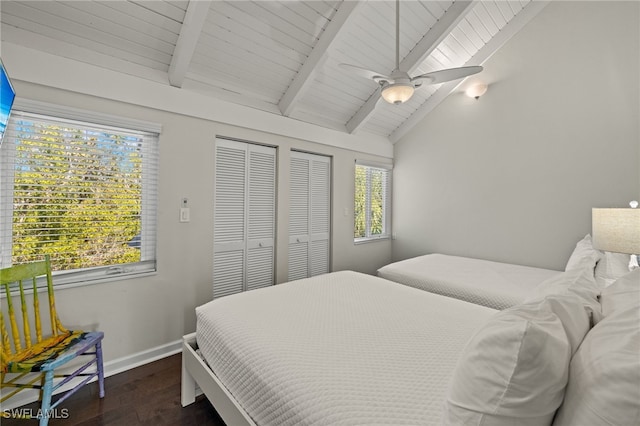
pixel 46 397
pixel 42 377
pixel 100 367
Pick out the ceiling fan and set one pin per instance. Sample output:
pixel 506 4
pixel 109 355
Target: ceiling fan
pixel 398 87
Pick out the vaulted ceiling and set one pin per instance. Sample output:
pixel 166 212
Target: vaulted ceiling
pixel 281 57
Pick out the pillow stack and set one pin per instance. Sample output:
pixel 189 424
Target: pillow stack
pixel 514 371
pixel 570 356
pixel 604 385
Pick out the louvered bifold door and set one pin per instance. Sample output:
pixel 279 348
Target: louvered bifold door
pixel 244 217
pixel 299 217
pixel 229 218
pixel 261 213
pixel 309 215
pixel 320 213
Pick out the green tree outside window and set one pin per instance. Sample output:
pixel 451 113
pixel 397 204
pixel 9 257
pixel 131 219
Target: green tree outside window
pixel 371 198
pixel 76 196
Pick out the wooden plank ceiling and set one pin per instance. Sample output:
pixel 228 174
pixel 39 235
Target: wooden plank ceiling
pixel 277 56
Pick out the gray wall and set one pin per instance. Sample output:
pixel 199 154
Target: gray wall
pixel 513 176
pixel 144 313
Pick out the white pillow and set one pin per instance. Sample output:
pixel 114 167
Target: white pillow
pixel 579 278
pixel 611 267
pixel 604 385
pixel 622 294
pixel 580 285
pixel 583 250
pixel 513 371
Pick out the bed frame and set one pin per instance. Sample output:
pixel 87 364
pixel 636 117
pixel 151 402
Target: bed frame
pixel 196 373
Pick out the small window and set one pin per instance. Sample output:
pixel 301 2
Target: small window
pixel 84 193
pixel 372 202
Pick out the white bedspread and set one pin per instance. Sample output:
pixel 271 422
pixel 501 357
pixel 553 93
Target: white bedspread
pixel 342 348
pixel 493 284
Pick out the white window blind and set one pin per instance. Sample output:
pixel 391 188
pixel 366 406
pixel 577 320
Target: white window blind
pixel 84 193
pixel 372 208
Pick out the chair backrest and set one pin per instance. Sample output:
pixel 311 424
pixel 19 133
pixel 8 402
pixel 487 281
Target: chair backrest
pixel 13 280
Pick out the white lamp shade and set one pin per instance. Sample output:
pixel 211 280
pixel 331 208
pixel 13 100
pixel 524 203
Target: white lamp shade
pixel 616 230
pixel 397 93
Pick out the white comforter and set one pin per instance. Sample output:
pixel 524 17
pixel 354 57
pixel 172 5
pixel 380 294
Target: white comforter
pixel 483 282
pixel 341 348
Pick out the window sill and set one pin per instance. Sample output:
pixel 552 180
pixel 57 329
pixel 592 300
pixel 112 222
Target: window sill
pixel 366 240
pixel 103 280
pixel 61 284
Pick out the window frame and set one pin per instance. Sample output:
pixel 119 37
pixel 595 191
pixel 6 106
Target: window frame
pixel 106 273
pixel 386 199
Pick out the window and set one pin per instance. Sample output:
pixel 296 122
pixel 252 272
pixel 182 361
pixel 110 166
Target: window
pixel 372 202
pixel 84 193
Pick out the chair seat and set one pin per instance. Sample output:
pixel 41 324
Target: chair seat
pixel 51 352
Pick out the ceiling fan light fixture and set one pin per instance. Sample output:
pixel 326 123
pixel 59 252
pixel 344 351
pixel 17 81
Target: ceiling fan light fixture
pixel 398 88
pixel 397 93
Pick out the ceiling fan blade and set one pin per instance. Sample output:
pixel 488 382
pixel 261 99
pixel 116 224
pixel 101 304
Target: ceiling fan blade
pixel 449 74
pixel 375 76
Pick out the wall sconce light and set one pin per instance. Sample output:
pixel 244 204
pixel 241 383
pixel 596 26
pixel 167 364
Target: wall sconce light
pixel 476 90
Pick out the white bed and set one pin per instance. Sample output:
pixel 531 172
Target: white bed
pixel 493 284
pixel 341 348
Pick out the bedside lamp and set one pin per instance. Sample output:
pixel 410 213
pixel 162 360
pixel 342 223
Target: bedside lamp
pixel 617 230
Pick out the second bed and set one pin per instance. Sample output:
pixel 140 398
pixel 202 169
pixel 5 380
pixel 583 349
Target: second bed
pixel 483 282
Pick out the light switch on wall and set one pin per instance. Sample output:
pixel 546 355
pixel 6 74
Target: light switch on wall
pixel 184 210
pixel 184 214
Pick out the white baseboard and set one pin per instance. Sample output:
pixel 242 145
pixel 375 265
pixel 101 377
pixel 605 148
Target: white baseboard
pixel 141 358
pixel 111 368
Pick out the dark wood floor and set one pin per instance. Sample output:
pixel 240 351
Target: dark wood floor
pixel 147 395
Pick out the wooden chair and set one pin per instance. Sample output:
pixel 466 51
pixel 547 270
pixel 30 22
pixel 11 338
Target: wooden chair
pixel 31 353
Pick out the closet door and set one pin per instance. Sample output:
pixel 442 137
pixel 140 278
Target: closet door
pixel 309 215
pixel 320 216
pixel 261 213
pixel 244 217
pixel 229 221
pixel 299 217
